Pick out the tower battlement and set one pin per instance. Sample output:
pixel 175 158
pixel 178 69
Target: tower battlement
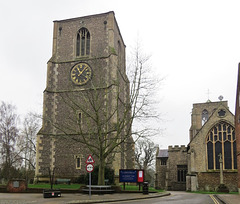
pixel 177 148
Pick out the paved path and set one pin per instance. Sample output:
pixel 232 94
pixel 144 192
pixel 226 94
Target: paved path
pixel 230 198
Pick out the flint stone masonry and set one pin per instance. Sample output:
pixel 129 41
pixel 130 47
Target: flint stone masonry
pixel 56 150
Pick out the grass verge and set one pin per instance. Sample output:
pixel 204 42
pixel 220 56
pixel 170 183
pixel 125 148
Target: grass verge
pixel 77 186
pixel 60 186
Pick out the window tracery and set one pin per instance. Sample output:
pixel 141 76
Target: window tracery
pixel 221 139
pixel 83 42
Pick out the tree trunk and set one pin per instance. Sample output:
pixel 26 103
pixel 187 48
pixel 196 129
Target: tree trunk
pixel 101 172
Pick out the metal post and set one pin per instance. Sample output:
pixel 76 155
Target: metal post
pixel 90 185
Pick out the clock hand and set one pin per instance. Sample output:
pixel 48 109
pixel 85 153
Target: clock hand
pixel 80 72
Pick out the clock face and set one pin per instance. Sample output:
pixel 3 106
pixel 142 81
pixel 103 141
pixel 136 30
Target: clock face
pixel 81 73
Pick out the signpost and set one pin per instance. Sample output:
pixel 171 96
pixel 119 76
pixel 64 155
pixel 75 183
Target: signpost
pixel 89 168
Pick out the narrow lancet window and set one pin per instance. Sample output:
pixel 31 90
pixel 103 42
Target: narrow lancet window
pixel 83 42
pixel 88 44
pixel 204 116
pixel 78 44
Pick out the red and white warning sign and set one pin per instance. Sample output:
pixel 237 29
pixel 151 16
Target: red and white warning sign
pixel 89 168
pixel 90 160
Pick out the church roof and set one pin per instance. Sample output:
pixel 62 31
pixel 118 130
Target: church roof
pixel 163 153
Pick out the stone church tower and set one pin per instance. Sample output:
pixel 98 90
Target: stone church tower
pixel 86 96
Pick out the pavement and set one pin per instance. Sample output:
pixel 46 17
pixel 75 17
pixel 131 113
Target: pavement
pixel 229 198
pixel 69 198
pixel 74 198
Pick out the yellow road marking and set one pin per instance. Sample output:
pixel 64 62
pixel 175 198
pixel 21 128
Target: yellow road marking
pixel 214 199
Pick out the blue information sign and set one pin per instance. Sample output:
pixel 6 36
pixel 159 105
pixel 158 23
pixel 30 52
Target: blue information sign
pixel 128 175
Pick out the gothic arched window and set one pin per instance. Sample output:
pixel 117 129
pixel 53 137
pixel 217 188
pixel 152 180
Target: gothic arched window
pixel 221 139
pixel 83 42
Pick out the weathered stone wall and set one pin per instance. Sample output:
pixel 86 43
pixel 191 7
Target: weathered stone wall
pixel 209 181
pixel 177 156
pixel 196 117
pixel 60 112
pixel 16 186
pixel 160 175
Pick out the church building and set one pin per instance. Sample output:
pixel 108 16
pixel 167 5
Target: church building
pixel 86 100
pixel 196 166
pixel 237 125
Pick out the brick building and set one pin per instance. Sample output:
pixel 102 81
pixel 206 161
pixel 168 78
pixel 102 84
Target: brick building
pixel 196 167
pixel 86 96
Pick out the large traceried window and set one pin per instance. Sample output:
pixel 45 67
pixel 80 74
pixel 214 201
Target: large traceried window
pixel 83 42
pixel 221 139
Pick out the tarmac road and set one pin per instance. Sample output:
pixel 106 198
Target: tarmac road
pixel 176 198
pixel 173 197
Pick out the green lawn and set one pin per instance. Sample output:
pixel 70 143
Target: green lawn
pixel 61 186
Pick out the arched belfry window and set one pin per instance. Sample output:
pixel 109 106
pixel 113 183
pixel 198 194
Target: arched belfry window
pixel 221 139
pixel 204 116
pixel 83 42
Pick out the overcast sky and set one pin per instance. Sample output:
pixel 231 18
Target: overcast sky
pixel 194 44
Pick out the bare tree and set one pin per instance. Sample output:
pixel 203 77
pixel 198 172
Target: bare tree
pixel 27 142
pixel 144 83
pixel 8 136
pixel 145 151
pixel 106 112
pixel 144 154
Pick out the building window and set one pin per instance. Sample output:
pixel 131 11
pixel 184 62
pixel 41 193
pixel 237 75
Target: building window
pixel 221 139
pixel 181 173
pixel 204 116
pixel 78 159
pixel 78 163
pixel 83 42
pixel 221 113
pixel 163 161
pixel 79 118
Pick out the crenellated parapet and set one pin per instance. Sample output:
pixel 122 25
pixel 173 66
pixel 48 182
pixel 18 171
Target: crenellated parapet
pixel 177 148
